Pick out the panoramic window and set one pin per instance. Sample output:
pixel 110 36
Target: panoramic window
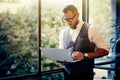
pixel 18 37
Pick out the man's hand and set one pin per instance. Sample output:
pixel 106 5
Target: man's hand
pixel 78 55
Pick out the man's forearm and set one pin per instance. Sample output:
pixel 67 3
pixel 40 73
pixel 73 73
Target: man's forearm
pixel 98 53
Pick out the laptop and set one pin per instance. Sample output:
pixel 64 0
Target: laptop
pixel 58 54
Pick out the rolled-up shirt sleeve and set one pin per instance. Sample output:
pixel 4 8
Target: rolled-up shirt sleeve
pixel 61 35
pixel 97 38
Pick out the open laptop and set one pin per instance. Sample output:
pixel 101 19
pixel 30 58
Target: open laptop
pixel 57 54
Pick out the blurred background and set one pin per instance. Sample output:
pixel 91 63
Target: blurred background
pixel 25 25
pixel 18 37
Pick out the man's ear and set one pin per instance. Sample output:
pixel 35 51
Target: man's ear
pixel 77 15
pixel 75 18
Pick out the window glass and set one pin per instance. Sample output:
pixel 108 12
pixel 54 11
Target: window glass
pixel 18 37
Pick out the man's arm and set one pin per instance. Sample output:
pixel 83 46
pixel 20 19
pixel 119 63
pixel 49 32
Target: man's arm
pixel 98 53
pixel 97 38
pixel 61 44
pixel 91 55
pixel 101 44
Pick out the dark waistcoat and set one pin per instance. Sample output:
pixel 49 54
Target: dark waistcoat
pixel 82 44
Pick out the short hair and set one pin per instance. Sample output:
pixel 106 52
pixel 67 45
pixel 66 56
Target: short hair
pixel 71 8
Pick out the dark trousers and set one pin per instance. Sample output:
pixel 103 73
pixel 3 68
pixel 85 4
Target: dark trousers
pixel 72 76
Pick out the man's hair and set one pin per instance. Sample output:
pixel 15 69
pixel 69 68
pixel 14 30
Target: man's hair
pixel 71 8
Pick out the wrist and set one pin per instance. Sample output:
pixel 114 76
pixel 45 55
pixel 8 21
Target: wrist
pixel 85 56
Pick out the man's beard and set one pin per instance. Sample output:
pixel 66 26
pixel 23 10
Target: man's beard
pixel 74 26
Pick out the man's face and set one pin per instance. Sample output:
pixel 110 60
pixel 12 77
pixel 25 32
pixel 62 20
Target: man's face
pixel 71 19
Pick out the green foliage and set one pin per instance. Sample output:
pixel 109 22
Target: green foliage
pixel 4 46
pixel 18 41
pixel 56 76
pixel 51 26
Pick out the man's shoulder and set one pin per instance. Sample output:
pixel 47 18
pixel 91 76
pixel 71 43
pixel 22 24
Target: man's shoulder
pixel 65 29
pixel 62 33
pixel 93 27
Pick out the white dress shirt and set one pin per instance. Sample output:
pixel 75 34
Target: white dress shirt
pixel 94 36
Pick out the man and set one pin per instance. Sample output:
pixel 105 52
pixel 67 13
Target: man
pixel 86 43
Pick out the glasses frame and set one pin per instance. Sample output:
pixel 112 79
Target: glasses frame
pixel 69 19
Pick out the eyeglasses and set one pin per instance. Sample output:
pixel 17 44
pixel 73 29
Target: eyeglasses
pixel 69 19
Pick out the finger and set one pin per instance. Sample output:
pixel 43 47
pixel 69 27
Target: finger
pixel 75 58
pixel 73 54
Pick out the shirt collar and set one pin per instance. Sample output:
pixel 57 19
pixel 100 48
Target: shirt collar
pixel 79 25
